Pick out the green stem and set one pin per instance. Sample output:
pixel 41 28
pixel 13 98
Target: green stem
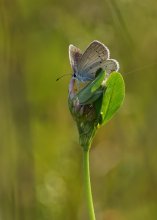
pixel 87 184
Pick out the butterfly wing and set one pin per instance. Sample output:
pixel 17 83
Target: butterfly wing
pixel 92 59
pixel 110 65
pixel 74 57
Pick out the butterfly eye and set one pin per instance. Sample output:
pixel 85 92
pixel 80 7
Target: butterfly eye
pixel 74 75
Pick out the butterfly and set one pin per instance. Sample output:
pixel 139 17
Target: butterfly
pixel 85 65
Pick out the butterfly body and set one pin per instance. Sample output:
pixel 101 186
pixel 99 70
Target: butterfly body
pixel 83 77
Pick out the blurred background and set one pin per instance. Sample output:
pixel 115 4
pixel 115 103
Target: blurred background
pixel 40 158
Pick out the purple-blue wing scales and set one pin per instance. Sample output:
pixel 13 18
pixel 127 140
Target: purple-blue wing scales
pixel 74 57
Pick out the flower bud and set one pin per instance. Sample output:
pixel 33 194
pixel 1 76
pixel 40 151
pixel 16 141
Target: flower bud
pixel 84 113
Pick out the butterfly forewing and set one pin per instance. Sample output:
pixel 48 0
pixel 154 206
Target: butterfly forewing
pixel 92 59
pixel 74 57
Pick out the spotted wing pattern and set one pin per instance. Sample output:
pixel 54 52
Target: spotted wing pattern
pixel 110 65
pixel 92 59
pixel 74 57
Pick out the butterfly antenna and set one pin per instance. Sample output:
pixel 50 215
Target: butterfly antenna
pixel 63 76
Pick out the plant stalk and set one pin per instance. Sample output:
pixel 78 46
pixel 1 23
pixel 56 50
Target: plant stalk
pixel 87 185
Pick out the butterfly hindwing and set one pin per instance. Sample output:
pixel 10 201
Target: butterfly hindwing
pixel 110 65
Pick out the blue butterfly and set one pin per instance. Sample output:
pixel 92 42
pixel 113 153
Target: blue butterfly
pixel 85 65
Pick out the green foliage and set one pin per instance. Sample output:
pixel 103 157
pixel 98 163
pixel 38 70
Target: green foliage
pixel 98 102
pixel 113 96
pixel 92 91
pixel 92 106
pixel 107 99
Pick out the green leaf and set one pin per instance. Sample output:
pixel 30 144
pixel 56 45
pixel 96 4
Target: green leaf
pixel 100 76
pixel 113 96
pixel 93 90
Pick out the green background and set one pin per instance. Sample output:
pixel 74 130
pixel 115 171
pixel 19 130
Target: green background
pixel 40 158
